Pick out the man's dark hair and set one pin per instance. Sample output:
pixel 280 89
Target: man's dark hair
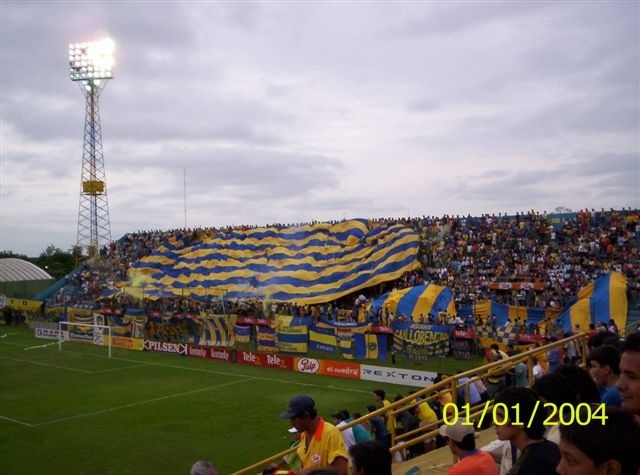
pixel 372 457
pixel 556 388
pixel 525 400
pixel 379 392
pixel 581 380
pixel 606 355
pixel 613 341
pixel 614 439
pixel 598 339
pixel 631 343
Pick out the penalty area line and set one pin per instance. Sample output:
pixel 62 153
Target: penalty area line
pixel 7 334
pixel 122 368
pixel 40 346
pixel 16 421
pixel 48 365
pixel 138 403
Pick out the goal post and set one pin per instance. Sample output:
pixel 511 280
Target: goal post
pixel 84 333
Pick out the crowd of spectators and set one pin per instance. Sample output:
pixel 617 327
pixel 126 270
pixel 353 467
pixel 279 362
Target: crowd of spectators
pixel 563 252
pixel 467 254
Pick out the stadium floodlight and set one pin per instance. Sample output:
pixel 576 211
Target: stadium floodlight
pixel 91 61
pixel 91 65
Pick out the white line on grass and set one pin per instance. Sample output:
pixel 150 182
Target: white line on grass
pixel 16 421
pixel 139 403
pixel 11 344
pixel 110 370
pixel 225 373
pixel 40 346
pixel 85 371
pixel 208 371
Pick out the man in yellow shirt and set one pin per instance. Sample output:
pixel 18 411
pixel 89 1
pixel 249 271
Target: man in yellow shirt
pixel 389 420
pixel 428 419
pixel 321 445
pixel 496 382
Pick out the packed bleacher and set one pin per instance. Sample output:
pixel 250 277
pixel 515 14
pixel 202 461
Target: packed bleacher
pixel 467 254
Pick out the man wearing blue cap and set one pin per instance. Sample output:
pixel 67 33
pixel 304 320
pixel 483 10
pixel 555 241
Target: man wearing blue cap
pixel 321 445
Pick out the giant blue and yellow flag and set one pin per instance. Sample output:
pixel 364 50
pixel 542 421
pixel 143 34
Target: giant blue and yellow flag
pixel 417 301
pixel 308 264
pixel 507 313
pixel 602 300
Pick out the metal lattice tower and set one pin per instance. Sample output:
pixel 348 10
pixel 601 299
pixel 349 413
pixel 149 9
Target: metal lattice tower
pixel 91 65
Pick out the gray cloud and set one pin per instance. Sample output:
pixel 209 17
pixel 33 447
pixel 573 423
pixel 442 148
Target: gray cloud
pixel 288 112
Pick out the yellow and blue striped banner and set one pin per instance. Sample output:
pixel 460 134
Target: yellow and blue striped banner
pixel 308 264
pixel 418 301
pixel 602 300
pixel 370 346
pixel 266 339
pixel 323 338
pixel 293 339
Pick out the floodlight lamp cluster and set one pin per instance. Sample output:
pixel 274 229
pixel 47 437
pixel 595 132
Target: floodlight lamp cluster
pixel 91 62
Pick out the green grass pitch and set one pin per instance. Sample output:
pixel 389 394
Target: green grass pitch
pixel 76 411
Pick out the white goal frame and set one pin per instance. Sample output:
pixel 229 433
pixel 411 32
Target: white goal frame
pixel 63 335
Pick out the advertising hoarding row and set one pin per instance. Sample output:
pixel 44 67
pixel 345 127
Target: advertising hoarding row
pixel 301 364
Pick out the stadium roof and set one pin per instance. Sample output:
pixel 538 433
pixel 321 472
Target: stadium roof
pixel 15 270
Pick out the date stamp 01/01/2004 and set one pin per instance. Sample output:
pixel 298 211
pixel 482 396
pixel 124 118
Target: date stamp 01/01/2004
pixel 501 414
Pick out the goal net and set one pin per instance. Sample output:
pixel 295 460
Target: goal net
pixel 84 333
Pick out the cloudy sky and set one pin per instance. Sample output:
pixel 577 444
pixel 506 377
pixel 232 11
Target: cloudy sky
pixel 297 111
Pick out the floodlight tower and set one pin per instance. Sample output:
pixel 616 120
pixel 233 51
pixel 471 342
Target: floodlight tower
pixel 91 65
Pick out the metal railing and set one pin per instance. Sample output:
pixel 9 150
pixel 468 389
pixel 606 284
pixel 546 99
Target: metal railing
pixel 402 441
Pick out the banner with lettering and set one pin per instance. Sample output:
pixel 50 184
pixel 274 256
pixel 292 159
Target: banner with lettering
pixel 461 349
pixel 338 335
pixel 127 343
pixel 293 339
pixel 420 341
pixel 323 338
pixel 243 333
pixel 171 330
pixel 266 339
pixel 25 304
